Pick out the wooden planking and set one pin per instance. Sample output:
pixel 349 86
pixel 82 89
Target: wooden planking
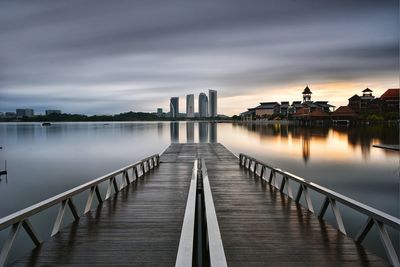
pixel 259 226
pixel 140 226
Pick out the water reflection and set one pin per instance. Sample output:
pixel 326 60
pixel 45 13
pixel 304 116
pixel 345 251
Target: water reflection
pixel 190 132
pixel 317 139
pixel 213 132
pixel 174 130
pixel 203 132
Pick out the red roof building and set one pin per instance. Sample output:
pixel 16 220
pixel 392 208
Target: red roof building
pixel 391 97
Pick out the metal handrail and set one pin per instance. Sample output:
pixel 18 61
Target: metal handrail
pixel 184 256
pixel 21 218
pixel 331 197
pixel 216 248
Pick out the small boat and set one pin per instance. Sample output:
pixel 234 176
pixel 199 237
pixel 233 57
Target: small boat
pixel 46 124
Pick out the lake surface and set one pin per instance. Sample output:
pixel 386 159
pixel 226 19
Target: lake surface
pixel 45 161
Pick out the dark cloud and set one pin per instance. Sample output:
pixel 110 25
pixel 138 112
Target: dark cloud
pixel 88 56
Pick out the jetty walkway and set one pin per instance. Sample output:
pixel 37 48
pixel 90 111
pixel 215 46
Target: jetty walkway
pixel 200 205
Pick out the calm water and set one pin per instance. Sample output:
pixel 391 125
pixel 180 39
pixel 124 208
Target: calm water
pixel 45 161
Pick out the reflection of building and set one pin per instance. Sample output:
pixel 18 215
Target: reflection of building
pixel 174 131
pixel 190 132
pixel 24 112
pixel 53 111
pixel 174 107
pixel 203 132
pixel 213 132
pixel 212 95
pixel 190 106
pixel 203 105
pixel 305 145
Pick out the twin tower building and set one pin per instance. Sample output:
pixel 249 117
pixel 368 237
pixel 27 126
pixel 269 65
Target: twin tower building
pixel 207 105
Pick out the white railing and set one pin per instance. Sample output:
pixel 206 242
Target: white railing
pixel 21 218
pixel 375 217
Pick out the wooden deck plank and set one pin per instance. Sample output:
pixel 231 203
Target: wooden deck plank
pixel 140 226
pixel 259 226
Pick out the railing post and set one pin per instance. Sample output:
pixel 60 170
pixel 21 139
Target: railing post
pixel 338 216
pixel 9 242
pixel 59 218
pixel 31 232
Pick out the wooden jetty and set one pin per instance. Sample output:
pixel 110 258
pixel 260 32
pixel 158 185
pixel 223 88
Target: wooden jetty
pixel 388 147
pixel 200 205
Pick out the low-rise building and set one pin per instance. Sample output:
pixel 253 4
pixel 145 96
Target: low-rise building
pixel 344 113
pixel 53 111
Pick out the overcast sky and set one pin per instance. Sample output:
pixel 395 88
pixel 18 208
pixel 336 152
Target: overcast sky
pixel 105 57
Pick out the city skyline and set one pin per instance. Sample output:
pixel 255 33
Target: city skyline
pixel 104 58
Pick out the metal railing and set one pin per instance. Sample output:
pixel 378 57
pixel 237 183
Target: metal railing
pixel 21 218
pixel 188 248
pixel 375 217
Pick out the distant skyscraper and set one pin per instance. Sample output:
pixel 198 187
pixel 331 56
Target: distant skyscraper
pixel 212 95
pixel 203 105
pixel 159 112
pixel 174 107
pixel 190 106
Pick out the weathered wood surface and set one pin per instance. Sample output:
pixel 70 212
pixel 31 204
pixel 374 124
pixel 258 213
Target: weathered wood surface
pixel 140 226
pixel 259 226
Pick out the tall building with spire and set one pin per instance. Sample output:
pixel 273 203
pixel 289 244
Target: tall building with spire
pixel 203 105
pixel 212 95
pixel 190 106
pixel 307 94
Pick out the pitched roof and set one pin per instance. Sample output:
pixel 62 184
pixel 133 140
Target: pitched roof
pixel 391 93
pixel 367 90
pixel 307 90
pixel 267 105
pixel 355 97
pixel 344 111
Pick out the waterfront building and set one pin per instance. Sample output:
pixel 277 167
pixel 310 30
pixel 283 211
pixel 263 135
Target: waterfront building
pixel 190 106
pixel 360 103
pixel 203 105
pixel 174 107
pixel 301 109
pixel 267 109
pixel 213 111
pixel 284 108
pixel 24 112
pixel 391 98
pixel 10 115
pixel 159 112
pixel 343 114
pixel 53 111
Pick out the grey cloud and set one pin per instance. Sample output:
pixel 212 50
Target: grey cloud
pixel 150 50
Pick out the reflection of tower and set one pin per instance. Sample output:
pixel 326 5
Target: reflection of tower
pixel 203 132
pixel 305 142
pixel 174 130
pixel 213 132
pixel 189 132
pixel 159 129
pixel 307 94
